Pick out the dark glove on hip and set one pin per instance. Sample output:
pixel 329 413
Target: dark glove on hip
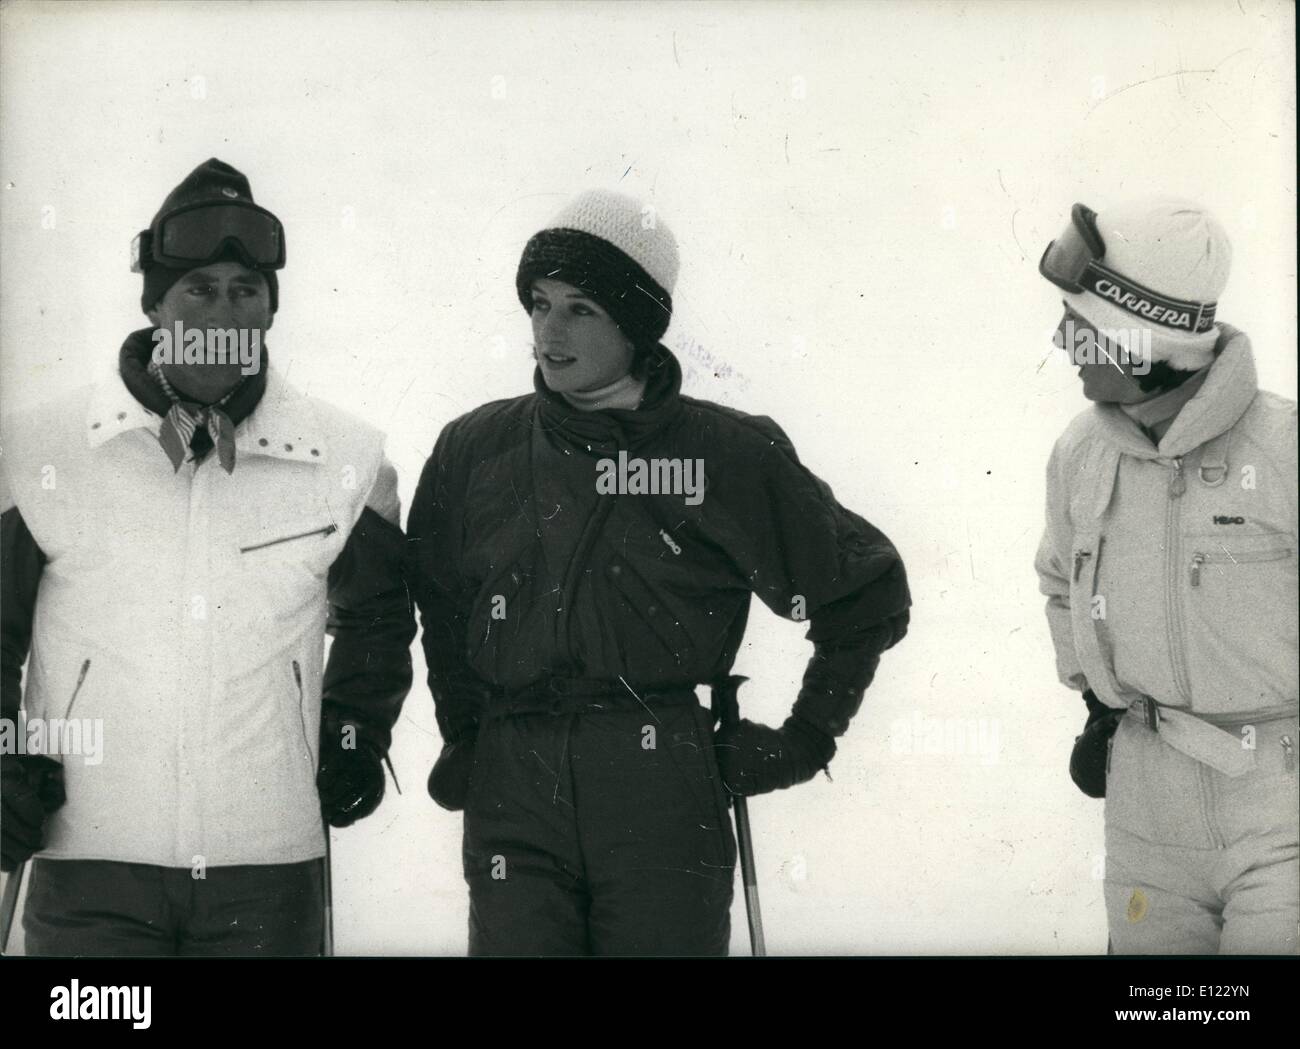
pixel 1089 758
pixel 31 787
pixel 755 759
pixel 350 780
pixel 449 780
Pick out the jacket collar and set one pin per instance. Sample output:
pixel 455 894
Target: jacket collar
pixel 282 426
pixel 604 432
pixel 1223 398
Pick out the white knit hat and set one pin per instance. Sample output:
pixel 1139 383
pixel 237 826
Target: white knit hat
pixel 1173 247
pixel 615 248
pixel 631 226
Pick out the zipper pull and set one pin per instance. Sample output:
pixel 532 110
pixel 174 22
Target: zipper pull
pixel 1288 753
pixel 81 680
pixel 297 676
pixel 1177 483
pixel 1079 557
pixel 1197 561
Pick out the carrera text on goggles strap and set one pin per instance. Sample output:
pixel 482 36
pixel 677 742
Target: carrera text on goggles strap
pixel 200 233
pixel 1073 262
pixel 1193 317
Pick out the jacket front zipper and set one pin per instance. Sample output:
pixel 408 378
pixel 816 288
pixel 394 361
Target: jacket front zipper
pixel 574 573
pixel 329 529
pixel 1173 604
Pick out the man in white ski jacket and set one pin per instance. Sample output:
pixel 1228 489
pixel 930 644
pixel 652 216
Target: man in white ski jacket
pixel 177 541
pixel 1169 562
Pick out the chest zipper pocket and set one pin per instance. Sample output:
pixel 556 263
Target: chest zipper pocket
pixel 1240 557
pixel 329 529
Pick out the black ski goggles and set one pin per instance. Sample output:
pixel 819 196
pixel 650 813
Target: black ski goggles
pixel 200 233
pixel 1073 263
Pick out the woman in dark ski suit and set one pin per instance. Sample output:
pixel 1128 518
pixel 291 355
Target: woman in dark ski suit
pixel 568 613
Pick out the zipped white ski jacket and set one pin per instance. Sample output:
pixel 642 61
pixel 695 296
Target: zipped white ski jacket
pixel 1170 571
pixel 187 611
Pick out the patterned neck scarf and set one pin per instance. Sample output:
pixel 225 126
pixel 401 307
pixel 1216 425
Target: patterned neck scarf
pixel 185 417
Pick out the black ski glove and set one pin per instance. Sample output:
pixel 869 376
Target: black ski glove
pixel 449 780
pixel 351 779
pixel 1088 759
pixel 755 759
pixel 31 787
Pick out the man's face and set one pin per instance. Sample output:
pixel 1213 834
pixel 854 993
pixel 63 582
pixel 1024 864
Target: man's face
pixel 1108 376
pixel 219 295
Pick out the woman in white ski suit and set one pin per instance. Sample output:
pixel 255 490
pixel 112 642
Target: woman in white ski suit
pixel 1170 570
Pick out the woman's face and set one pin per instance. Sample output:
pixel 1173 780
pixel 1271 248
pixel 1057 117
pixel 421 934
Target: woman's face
pixel 577 344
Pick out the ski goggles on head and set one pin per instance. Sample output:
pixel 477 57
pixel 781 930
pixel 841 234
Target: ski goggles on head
pixel 1073 262
pixel 199 233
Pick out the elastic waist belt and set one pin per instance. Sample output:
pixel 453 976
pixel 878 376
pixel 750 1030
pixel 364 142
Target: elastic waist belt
pixel 569 695
pixel 1201 738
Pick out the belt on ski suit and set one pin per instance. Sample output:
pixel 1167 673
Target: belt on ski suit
pixel 569 695
pixel 1199 735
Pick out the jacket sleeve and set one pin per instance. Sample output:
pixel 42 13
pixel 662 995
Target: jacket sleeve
pixel 21 564
pixel 807 557
pixel 368 673
pixel 434 546
pixel 1053 566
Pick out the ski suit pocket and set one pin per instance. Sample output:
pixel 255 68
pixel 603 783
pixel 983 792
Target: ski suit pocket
pixel 300 707
pixel 278 560
pixel 692 748
pixel 1242 618
pixel 1263 801
pixel 1155 792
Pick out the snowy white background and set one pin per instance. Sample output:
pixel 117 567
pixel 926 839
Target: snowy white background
pixel 861 193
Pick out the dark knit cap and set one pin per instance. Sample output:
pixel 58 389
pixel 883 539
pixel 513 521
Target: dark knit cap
pixel 214 182
pixel 604 243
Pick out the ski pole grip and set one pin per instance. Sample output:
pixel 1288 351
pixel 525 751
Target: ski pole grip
pixel 724 701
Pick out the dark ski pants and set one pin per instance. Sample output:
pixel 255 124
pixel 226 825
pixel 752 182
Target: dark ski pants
pixel 103 908
pixel 599 833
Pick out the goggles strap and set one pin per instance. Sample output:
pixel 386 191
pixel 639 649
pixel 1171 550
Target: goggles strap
pixel 1132 297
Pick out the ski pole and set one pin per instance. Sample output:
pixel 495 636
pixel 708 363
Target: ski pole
pixel 9 904
pixel 327 924
pixel 749 878
pixel 727 708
